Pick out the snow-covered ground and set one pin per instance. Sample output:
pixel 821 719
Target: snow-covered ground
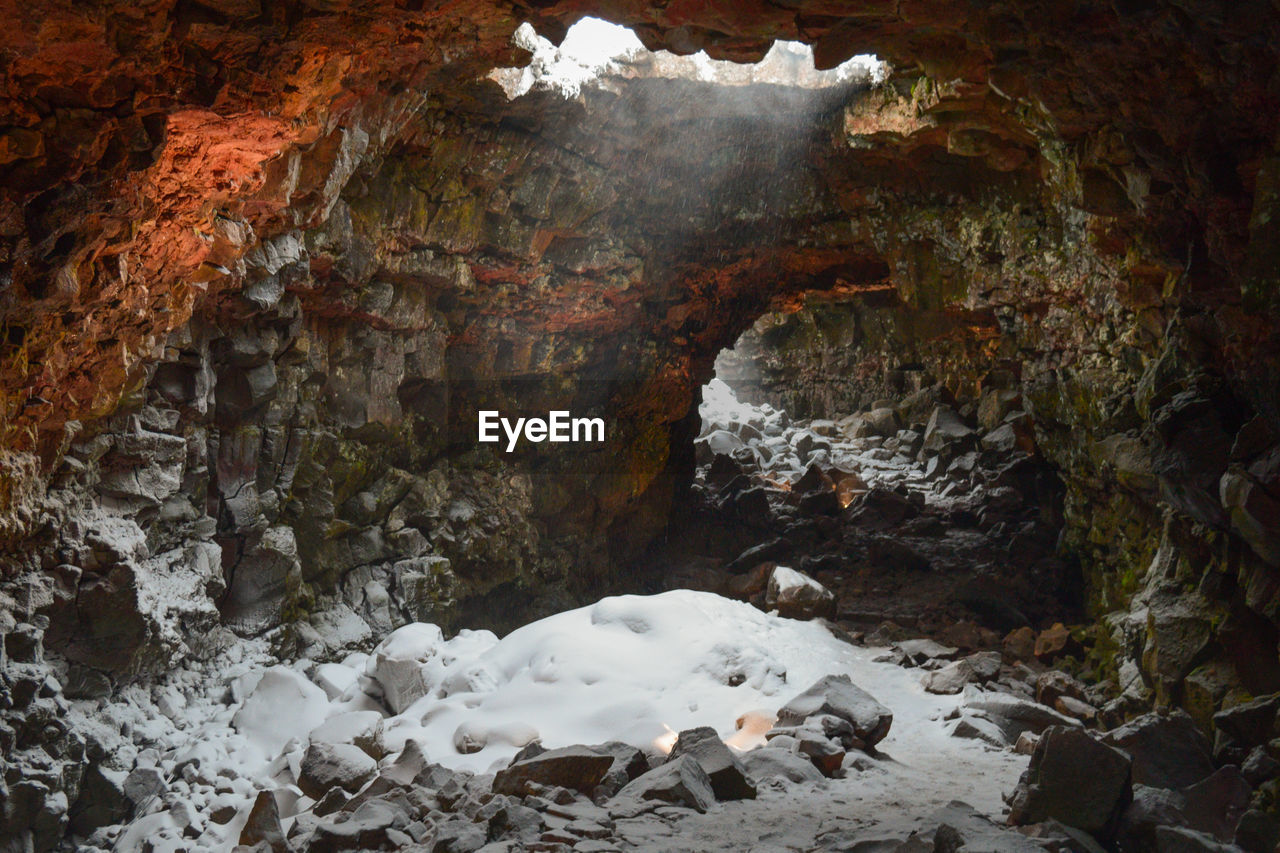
pixel 630 668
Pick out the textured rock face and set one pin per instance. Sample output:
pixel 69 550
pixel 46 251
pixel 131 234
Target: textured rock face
pixel 259 265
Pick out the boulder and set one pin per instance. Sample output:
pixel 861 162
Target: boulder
pixel 945 430
pixel 728 777
pixel 1167 751
pixel 961 828
pixel 334 765
pixel 882 422
pixel 579 768
pixel 1250 723
pixel 1014 715
pixel 1075 779
pixel 795 595
pixel 1056 642
pixel 948 680
pixel 681 782
pixel 397 664
pixel 771 763
pixel 281 707
pixel 360 728
pixel 263 826
pixel 921 650
pixel 838 696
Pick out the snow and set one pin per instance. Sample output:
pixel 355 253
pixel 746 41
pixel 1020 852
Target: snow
pixel 593 47
pixel 631 668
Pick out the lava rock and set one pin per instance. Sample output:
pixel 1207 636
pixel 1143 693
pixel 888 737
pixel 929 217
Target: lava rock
pixel 334 765
pixel 1167 750
pixel 795 595
pixel 1075 779
pixel 579 768
pixel 728 777
pixel 838 696
pixel 681 782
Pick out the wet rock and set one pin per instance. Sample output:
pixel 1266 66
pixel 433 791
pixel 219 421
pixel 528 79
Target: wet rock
pixel 334 765
pixel 1075 779
pixel 577 768
pixel 728 777
pixel 795 595
pixel 839 697
pixel 1167 751
pixel 681 782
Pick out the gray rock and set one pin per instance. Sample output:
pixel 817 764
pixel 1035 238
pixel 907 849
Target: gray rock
pixel 1014 715
pixel 945 429
pixel 579 768
pixel 682 782
pixel 458 836
pixel 334 765
pixel 770 763
pixel 838 696
pixel 1168 751
pixel 1179 839
pixel 961 828
pixel 919 651
pixel 728 777
pixel 1075 779
pixel 263 826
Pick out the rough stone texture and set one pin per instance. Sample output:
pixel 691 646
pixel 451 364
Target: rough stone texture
pixel 577 767
pixel 837 696
pixel 1073 779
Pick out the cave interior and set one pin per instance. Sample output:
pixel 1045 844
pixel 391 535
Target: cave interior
pixel 935 504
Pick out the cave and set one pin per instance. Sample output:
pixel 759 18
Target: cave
pixel 609 426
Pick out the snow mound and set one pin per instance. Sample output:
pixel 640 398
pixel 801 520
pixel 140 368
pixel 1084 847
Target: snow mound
pixel 629 668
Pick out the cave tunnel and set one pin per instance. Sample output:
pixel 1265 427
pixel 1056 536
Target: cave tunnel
pixel 608 426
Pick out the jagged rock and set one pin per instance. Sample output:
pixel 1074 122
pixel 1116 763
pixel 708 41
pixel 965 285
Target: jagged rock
pixel 1168 751
pixel 1074 779
pixel 397 663
pixel 457 836
pixel 579 768
pixel 795 595
pixel 946 430
pixel 681 782
pixel 1251 723
pixel 950 679
pixel 728 777
pixel 1055 642
pixel 838 696
pixel 263 826
pixel 1014 715
pixel 334 765
pixel 1178 839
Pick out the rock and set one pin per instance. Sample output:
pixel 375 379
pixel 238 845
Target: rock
pixel 1167 751
pixel 1178 839
pixel 838 696
pixel 263 826
pixel 979 728
pixel 397 663
pixel 281 707
pixel 360 728
pixel 1013 714
pixel 949 680
pixel 882 422
pixel 1075 779
pixel 922 650
pixel 795 595
pixel 102 800
pixel 579 768
pixel 143 786
pixel 961 828
pixel 825 754
pixel 1250 723
pixel 770 763
pixel 1214 805
pixel 995 405
pixel 334 765
pixel 945 430
pixel 728 777
pixel 1257 832
pixel 681 782
pixel 1053 643
pixel 457 836
pixel 771 551
pixel 1020 644
pixel 1052 684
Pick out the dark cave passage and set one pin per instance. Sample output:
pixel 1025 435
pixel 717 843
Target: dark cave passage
pixel 478 427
